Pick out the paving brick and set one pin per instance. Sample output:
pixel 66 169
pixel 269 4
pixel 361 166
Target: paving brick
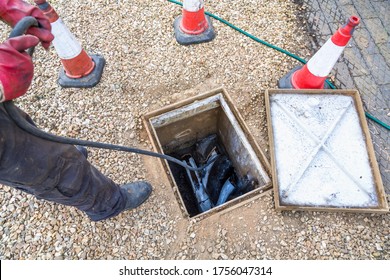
pixel 365 8
pixel 355 62
pixel 377 30
pixel 350 10
pixel 343 2
pixel 362 38
pixel 334 26
pixel 321 41
pixel 382 9
pixel 378 99
pixel 383 134
pixel 343 76
pixel 385 90
pixel 333 14
pixel 379 69
pixel 312 4
pixel 371 49
pixel 384 49
pixel 311 19
pixel 368 89
pixel 325 30
pixel 320 19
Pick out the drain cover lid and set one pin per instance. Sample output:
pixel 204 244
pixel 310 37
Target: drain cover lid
pixel 321 151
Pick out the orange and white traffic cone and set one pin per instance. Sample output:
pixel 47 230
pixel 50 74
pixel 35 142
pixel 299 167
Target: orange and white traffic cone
pixel 193 26
pixel 79 69
pixel 314 73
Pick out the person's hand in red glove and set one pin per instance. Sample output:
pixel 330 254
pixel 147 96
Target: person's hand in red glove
pixel 16 68
pixel 12 11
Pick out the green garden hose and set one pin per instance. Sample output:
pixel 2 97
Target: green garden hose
pixel 371 117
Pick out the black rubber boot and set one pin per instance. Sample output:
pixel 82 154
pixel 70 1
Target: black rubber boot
pixel 136 193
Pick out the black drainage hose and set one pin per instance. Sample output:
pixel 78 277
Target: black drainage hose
pixel 19 29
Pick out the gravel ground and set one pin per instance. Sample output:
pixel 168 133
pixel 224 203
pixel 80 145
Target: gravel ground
pixel 146 70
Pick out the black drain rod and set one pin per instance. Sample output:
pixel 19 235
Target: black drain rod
pixel 14 113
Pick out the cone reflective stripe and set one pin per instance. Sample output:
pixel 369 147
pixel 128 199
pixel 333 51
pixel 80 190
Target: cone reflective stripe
pixel 314 73
pixel 193 26
pixel 80 69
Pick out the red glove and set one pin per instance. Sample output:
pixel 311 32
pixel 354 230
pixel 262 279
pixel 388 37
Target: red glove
pixel 16 68
pixel 11 11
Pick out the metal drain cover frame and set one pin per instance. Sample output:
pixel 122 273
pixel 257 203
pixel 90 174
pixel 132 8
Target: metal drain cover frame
pixel 193 118
pixel 322 155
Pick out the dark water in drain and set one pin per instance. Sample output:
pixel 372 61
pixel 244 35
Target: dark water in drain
pixel 222 182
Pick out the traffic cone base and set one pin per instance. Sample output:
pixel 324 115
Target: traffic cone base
pixel 287 80
pixel 187 39
pixel 88 81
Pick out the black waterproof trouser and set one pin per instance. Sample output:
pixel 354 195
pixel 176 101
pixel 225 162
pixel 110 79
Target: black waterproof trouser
pixel 55 172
